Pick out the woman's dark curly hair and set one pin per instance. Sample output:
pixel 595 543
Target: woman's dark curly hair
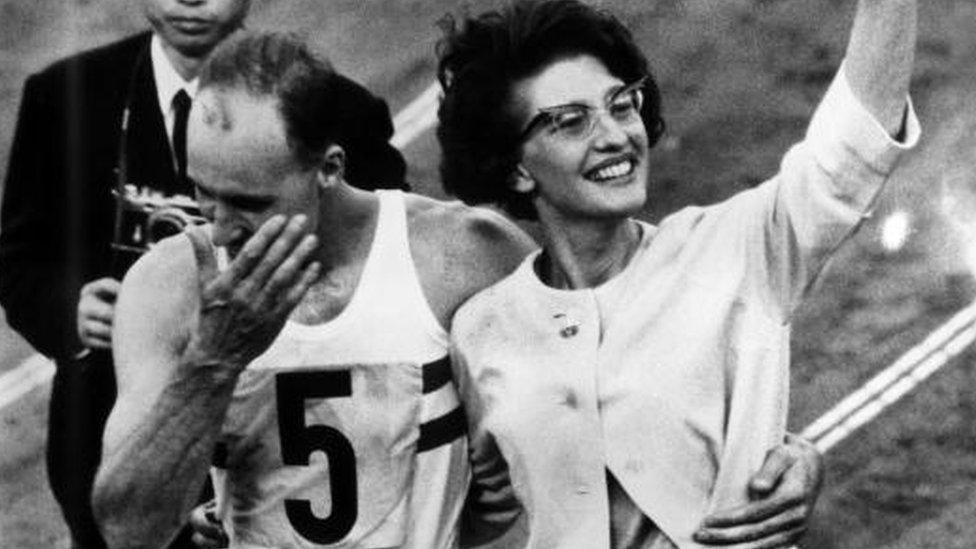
pixel 479 63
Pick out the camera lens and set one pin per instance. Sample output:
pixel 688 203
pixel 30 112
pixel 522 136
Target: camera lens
pixel 165 222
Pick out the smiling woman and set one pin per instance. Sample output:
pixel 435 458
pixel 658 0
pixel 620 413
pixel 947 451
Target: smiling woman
pixel 484 122
pixel 591 163
pixel 630 379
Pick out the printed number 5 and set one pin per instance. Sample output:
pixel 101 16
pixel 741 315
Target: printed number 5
pixel 299 440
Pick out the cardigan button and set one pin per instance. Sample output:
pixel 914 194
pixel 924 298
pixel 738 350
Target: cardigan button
pixel 570 399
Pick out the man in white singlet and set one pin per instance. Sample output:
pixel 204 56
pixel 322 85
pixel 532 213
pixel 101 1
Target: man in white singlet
pixel 295 334
pixel 295 343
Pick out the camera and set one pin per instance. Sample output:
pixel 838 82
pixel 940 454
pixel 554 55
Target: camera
pixel 145 216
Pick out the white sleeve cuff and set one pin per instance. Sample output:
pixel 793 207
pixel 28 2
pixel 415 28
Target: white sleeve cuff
pixel 852 145
pixel 842 126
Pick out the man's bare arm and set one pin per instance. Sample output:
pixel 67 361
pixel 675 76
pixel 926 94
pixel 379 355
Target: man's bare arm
pixel 175 383
pixel 880 55
pixel 140 492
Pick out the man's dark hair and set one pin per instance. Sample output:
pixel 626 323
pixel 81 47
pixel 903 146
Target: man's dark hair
pixel 319 107
pixel 479 62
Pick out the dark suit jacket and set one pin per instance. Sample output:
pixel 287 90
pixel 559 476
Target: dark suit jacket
pixel 58 210
pixel 57 222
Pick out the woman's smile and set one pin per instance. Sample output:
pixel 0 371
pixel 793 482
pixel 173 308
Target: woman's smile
pixel 612 169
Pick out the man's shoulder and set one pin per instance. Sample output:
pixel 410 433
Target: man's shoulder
pixel 460 250
pixel 105 59
pixel 452 224
pixel 167 271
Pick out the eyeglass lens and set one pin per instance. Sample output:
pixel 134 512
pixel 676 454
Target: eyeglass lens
pixel 577 121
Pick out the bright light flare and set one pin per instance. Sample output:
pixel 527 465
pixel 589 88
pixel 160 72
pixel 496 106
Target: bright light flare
pixel 959 206
pixel 895 230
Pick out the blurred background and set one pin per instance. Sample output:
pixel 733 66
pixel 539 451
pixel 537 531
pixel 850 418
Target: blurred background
pixel 740 79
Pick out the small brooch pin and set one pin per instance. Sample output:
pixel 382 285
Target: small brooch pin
pixel 568 328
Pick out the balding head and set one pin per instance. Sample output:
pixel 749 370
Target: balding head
pixel 243 167
pixel 318 106
pixel 279 66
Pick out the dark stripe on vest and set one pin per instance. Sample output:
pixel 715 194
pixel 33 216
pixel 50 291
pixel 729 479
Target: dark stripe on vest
pixel 437 374
pixel 442 430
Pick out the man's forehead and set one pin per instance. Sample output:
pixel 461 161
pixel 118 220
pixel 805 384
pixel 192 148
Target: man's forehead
pixel 233 110
pixel 233 128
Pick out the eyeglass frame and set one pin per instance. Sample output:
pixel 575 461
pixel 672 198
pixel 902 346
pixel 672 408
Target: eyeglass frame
pixel 546 114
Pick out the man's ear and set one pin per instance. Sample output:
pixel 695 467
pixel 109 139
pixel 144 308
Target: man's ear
pixel 332 167
pixel 522 181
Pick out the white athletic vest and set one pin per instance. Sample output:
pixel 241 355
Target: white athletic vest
pixel 350 433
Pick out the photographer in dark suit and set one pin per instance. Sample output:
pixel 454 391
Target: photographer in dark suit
pixel 90 127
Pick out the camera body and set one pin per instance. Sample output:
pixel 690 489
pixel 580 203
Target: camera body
pixel 145 216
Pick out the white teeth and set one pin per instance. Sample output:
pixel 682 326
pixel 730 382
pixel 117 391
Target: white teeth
pixel 616 170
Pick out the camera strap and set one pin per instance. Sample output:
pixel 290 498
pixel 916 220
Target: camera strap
pixel 121 260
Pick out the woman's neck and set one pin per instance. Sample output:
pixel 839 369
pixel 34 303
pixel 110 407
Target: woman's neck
pixel 586 254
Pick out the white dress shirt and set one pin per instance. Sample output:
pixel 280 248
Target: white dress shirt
pixel 168 83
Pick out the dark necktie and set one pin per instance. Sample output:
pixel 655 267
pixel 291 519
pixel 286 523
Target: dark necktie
pixel 181 107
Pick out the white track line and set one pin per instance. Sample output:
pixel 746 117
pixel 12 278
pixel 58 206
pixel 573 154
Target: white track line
pixel 32 373
pixel 413 120
pixel 417 117
pixel 895 381
pixel 905 364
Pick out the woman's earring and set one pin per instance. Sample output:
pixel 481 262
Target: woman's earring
pixel 326 180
